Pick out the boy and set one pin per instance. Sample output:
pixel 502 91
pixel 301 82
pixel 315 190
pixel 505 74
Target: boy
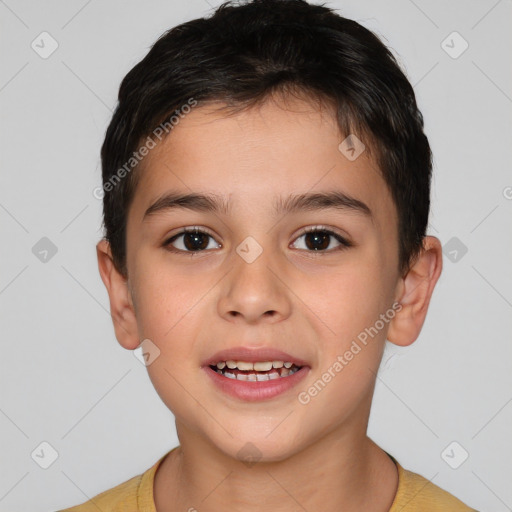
pixel 266 188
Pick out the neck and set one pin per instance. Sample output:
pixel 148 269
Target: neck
pixel 338 472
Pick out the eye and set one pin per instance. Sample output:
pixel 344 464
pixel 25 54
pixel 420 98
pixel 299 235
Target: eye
pixel 190 240
pixel 318 239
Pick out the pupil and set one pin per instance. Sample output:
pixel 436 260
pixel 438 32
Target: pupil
pixel 317 236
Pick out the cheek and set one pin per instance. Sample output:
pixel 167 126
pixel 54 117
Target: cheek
pixel 170 315
pixel 349 299
pixel 166 302
pixel 351 303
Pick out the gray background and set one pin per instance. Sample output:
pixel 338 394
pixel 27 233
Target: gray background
pixel 64 378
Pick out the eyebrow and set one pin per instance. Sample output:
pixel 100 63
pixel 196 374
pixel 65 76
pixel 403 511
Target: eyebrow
pixel 293 203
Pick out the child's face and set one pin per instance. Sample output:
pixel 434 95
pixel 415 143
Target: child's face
pixel 310 304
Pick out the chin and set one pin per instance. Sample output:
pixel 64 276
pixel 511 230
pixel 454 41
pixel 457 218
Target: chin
pixel 257 446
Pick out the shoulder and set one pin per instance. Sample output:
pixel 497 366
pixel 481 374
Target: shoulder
pixel 121 497
pixel 420 495
pixel 133 495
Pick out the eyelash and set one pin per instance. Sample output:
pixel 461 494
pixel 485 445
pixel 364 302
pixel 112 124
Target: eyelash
pixel 344 243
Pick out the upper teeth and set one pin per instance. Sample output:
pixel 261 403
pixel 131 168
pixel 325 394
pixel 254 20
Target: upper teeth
pixel 259 366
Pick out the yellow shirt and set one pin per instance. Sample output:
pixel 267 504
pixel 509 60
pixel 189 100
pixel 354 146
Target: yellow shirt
pixel 414 494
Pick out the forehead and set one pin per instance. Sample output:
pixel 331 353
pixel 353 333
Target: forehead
pixel 257 156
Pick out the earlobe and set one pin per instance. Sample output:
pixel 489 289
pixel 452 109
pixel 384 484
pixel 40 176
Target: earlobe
pixel 415 291
pixel 121 305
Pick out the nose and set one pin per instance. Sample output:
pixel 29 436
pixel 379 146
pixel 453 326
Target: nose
pixel 254 291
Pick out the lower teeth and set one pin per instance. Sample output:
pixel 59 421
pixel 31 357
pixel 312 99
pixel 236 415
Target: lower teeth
pixel 257 376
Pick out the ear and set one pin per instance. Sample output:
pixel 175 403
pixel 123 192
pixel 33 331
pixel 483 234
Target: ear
pixel 415 291
pixel 121 303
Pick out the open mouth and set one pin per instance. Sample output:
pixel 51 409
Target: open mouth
pixel 256 372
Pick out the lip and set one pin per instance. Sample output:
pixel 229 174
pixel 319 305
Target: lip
pixel 256 391
pixel 251 391
pixel 252 355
